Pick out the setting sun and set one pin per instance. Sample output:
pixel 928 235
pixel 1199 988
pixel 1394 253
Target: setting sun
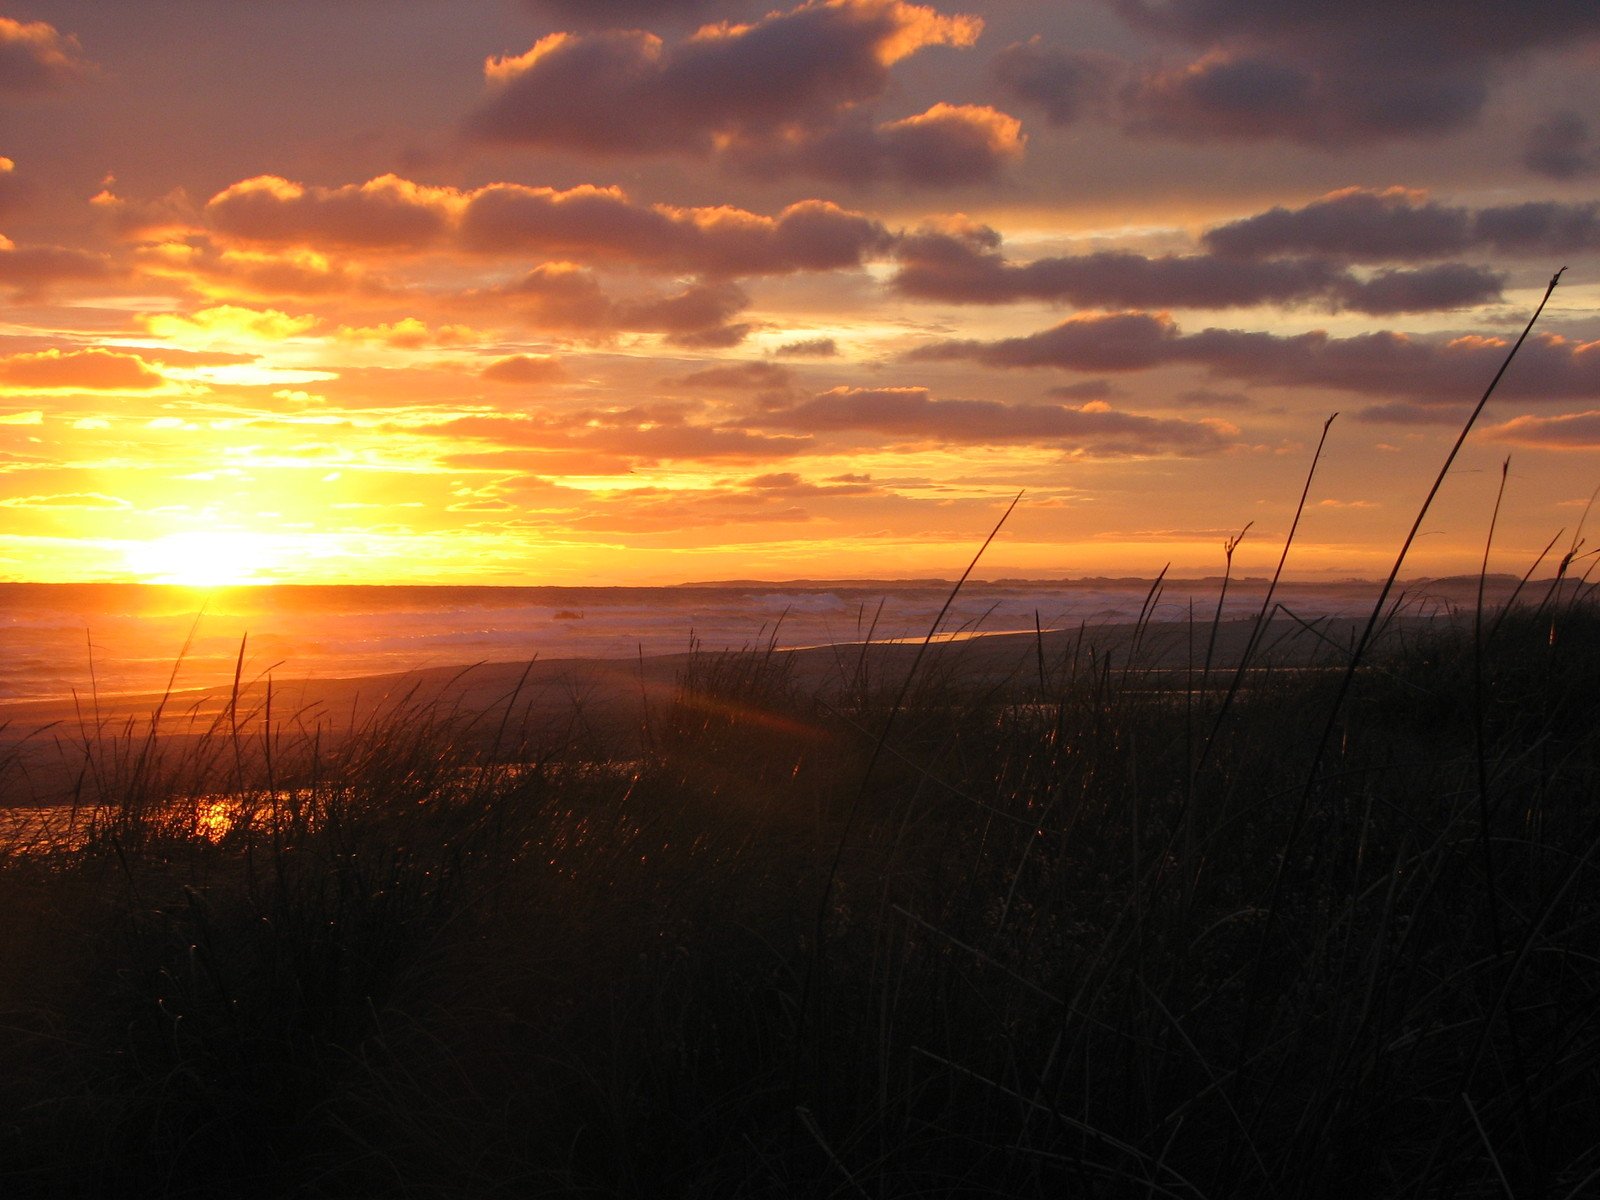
pixel 203 559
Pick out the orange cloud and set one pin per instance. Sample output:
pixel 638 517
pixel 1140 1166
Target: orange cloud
pixel 36 57
pixel 226 322
pixel 596 224
pixel 387 212
pixel 1565 431
pixel 409 333
pixel 78 370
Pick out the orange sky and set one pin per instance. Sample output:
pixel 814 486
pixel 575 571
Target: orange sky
pixel 539 291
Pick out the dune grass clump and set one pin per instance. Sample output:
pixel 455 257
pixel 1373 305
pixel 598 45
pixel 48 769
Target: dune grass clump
pixel 1062 950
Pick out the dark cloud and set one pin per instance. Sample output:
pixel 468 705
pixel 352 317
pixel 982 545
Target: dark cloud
pixel 602 224
pixel 1337 74
pixel 29 270
pixel 739 375
pixel 911 414
pixel 698 316
pixel 35 57
pixel 1540 227
pixel 1562 146
pixel 1430 370
pixel 1084 389
pixel 561 297
pixel 1396 224
pixel 810 348
pixel 1211 400
pixel 1426 289
pixel 524 369
pixel 1436 29
pixel 949 145
pixel 1065 84
pixel 1110 342
pixel 759 84
pixel 1247 96
pixel 716 337
pixel 962 266
pixel 1400 225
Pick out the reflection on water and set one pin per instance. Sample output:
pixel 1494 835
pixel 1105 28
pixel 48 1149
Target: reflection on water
pixel 57 828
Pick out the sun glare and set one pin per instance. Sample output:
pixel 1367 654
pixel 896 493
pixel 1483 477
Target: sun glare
pixel 203 559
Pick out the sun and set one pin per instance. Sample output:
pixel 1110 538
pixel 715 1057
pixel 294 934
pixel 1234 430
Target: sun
pixel 203 559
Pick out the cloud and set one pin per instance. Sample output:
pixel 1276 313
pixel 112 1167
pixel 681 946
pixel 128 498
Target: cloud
pixel 1227 94
pixel 1210 399
pixel 603 225
pixel 35 57
pixel 1565 431
pixel 563 297
pixel 388 213
pixel 1426 289
pixel 949 145
pixel 1066 84
pixel 1110 342
pixel 1428 370
pixel 524 369
pixel 167 217
pixel 77 370
pixel 29 270
pixel 788 74
pixel 1396 224
pixel 1085 389
pixel 961 265
pixel 1486 28
pixel 602 441
pixel 1562 146
pixel 228 322
pixel 595 224
pixel 1336 75
pixel 13 191
pixel 1401 225
pixel 810 348
pixel 409 333
pixel 254 275
pixel 700 315
pixel 912 414
pixel 750 375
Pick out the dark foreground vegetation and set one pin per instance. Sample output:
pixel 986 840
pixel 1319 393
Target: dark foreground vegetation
pixel 1090 930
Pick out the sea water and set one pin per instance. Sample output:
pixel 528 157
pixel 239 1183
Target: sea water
pixel 60 640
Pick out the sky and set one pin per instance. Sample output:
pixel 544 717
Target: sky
pixel 657 291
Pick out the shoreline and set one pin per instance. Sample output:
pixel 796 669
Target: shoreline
pixel 44 743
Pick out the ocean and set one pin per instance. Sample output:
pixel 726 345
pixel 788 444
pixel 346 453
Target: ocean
pixel 61 640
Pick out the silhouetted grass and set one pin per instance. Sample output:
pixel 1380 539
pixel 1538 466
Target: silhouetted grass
pixel 1307 917
pixel 420 968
